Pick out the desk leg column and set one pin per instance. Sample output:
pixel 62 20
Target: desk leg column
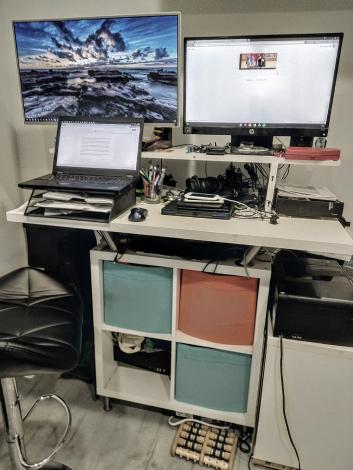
pixel 108 240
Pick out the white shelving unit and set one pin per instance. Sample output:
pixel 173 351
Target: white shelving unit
pixel 180 153
pixel 115 380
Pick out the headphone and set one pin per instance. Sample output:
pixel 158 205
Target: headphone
pixel 202 185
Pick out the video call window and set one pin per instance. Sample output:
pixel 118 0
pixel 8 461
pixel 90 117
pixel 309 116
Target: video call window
pixel 256 60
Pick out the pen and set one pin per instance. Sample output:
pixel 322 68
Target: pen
pixel 154 173
pixel 144 177
pixel 150 172
pixel 162 175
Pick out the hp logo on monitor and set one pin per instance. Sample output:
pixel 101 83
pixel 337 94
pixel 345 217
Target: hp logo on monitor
pixel 251 131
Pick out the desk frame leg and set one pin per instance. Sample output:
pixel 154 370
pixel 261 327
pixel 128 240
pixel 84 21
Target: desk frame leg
pixel 106 404
pixel 250 255
pixel 108 240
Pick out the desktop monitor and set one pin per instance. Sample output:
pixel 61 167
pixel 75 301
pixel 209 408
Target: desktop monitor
pixel 99 67
pixel 257 87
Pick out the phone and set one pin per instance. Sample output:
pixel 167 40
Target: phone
pixel 202 197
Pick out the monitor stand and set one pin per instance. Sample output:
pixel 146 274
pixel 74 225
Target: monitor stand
pixel 161 140
pixel 251 144
pixel 301 141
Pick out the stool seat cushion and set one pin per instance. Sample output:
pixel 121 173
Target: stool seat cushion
pixel 40 324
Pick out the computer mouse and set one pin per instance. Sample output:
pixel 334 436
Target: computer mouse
pixel 138 214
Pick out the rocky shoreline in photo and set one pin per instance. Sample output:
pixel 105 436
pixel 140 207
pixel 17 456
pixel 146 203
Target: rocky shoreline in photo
pixel 98 92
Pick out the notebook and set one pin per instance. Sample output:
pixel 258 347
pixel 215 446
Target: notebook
pixel 94 154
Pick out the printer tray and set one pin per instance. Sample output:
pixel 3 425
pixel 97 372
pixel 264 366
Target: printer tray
pixel 121 202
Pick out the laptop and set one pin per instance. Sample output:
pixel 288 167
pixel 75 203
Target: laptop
pixel 94 155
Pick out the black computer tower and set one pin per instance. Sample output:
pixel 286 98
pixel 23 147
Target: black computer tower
pixel 65 254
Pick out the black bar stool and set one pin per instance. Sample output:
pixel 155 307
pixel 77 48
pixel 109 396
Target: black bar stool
pixel 40 333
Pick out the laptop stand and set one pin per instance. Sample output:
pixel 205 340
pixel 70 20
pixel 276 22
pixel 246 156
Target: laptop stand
pixel 87 211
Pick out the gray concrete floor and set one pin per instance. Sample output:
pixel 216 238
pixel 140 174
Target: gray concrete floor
pixel 126 438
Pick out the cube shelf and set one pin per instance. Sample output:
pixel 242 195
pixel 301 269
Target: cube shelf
pixel 237 373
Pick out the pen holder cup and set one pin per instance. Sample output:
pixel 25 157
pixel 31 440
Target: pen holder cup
pixel 152 194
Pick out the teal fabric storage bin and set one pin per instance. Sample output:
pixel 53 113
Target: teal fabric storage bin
pixel 212 378
pixel 138 297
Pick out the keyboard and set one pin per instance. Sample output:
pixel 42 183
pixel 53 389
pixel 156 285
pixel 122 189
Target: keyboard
pixel 93 179
pixel 88 179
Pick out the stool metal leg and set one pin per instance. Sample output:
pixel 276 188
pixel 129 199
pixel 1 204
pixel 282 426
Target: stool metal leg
pixel 13 420
pixel 11 410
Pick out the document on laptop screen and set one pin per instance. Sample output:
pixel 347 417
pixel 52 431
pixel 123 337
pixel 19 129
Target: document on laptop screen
pixel 110 146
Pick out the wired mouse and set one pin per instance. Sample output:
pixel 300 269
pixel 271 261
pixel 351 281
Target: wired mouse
pixel 138 214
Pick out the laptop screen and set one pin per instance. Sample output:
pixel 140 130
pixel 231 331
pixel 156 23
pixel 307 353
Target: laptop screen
pixel 108 147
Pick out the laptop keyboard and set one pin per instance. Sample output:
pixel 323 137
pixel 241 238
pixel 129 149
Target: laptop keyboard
pixel 88 179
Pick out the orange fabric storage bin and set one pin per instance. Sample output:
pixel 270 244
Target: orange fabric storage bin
pixel 218 308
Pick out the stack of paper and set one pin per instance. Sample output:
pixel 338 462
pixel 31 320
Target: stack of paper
pixel 58 196
pixel 57 203
pixel 306 192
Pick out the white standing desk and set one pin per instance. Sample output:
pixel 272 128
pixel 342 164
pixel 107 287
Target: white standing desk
pixel 139 386
pixel 326 236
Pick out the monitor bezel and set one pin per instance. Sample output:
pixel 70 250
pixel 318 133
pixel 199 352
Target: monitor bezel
pixel 228 129
pixel 96 171
pixel 43 121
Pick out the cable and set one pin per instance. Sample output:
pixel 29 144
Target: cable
pixel 171 422
pixel 262 169
pixel 244 445
pixel 216 261
pixel 286 173
pixel 118 257
pixel 226 253
pixel 241 204
pixel 284 402
pixel 254 213
pixel 244 263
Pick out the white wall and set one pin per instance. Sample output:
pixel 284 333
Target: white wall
pixel 12 252
pixel 199 17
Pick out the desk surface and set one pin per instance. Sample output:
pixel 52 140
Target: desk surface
pixel 326 236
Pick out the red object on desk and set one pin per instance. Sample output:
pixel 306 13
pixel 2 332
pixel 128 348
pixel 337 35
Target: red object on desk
pixel 311 153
